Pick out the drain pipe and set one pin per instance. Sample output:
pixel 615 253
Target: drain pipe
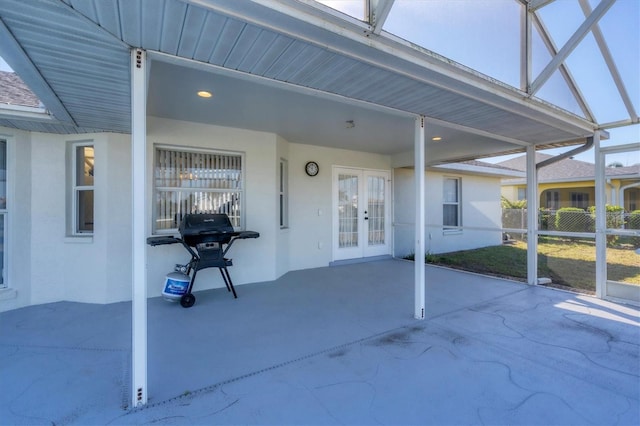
pixel 588 145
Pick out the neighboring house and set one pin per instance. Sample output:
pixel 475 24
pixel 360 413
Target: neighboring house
pixel 571 183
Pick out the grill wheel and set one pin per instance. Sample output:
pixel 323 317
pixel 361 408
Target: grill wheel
pixel 187 300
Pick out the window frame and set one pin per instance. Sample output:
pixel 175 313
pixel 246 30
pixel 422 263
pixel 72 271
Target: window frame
pixel 4 217
pixel 552 198
pixel 76 189
pixel 579 199
pixel 283 193
pixel 198 150
pixel 452 229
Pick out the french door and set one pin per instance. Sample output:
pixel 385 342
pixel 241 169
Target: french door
pixel 361 213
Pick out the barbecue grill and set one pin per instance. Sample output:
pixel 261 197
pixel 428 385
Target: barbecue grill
pixel 207 238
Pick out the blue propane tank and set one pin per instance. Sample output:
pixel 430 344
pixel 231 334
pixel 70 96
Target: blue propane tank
pixel 175 285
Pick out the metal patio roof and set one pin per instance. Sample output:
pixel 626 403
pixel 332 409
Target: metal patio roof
pixel 74 54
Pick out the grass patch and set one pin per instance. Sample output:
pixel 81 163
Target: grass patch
pixel 568 262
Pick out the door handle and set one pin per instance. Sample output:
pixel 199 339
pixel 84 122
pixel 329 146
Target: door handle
pixel 365 215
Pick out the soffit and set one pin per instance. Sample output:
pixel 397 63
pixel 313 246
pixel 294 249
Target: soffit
pixel 81 50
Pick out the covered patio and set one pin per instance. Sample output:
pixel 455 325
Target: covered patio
pixel 333 345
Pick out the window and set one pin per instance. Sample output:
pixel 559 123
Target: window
pixel 451 203
pixel 283 176
pixel 191 181
pixel 82 187
pixel 580 200
pixel 522 194
pixel 3 213
pixel 553 200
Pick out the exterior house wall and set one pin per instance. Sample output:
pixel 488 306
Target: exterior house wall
pixel 96 268
pixel 48 264
pixel 480 209
pixel 283 232
pixel 17 239
pixel 254 260
pixel 310 243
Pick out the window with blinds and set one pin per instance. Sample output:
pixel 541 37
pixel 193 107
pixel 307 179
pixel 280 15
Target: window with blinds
pixel 189 181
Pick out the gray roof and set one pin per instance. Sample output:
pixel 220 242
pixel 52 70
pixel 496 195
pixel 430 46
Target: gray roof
pixel 569 169
pixel 13 91
pixel 479 168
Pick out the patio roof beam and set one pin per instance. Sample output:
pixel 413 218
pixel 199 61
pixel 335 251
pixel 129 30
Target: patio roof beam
pixel 139 218
pixel 525 48
pixel 538 4
pixel 571 44
pixel 419 247
pixel 564 70
pixel 613 69
pixel 532 216
pixel 377 13
pixel 601 220
pixel 620 123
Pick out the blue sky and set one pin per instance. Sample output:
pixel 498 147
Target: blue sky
pixel 4 66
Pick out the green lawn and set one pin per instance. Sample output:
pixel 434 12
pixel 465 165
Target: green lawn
pixel 568 262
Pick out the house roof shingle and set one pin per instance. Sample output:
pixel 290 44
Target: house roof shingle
pixel 568 169
pixel 15 91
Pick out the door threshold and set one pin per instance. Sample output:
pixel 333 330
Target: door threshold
pixel 360 260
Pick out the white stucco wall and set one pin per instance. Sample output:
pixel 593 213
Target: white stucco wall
pixel 282 233
pixel 310 239
pixel 17 239
pixel 253 260
pixel 480 209
pixel 46 264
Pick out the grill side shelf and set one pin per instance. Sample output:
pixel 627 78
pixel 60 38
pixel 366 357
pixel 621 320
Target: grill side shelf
pixel 162 240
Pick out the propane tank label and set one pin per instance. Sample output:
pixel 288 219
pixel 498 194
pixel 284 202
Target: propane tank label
pixel 176 287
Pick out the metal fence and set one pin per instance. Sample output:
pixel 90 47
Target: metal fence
pixel 568 220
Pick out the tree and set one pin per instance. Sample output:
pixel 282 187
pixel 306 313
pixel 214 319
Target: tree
pixel 615 164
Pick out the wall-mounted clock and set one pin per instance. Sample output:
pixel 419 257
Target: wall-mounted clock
pixel 312 168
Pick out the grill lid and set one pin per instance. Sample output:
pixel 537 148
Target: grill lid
pixel 205 227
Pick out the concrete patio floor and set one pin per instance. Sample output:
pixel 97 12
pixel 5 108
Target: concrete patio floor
pixel 332 346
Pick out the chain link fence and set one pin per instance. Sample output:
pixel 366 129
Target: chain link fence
pixel 569 220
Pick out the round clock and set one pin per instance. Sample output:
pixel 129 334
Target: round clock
pixel 311 168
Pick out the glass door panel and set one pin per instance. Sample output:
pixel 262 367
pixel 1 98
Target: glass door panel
pixel 348 210
pixel 375 214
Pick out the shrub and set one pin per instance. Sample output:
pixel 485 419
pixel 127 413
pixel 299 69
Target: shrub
pixel 615 216
pixel 634 220
pixel 547 219
pixel 573 219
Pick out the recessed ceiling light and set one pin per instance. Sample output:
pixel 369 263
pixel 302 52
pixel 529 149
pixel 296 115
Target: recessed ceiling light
pixel 204 94
pixel 436 138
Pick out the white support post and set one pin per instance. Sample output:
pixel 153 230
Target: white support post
pixel 601 220
pixel 419 266
pixel 139 217
pixel 532 216
pixel 525 48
